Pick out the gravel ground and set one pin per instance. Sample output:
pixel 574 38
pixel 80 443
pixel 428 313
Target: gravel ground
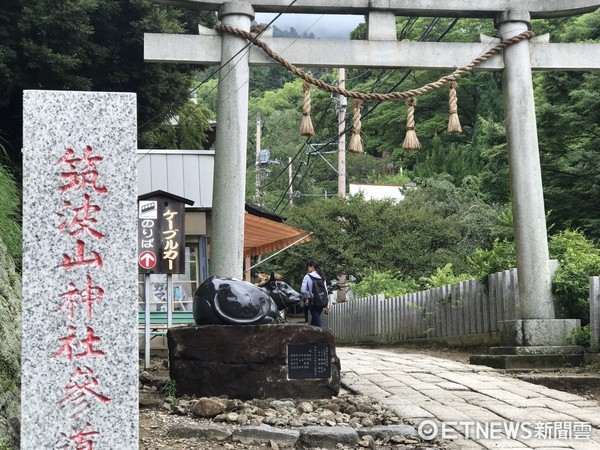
pixel 159 413
pixel 169 423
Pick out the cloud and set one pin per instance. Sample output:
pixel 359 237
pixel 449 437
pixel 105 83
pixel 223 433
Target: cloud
pixel 324 26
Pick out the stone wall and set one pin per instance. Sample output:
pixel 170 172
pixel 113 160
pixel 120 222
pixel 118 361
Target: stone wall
pixel 10 351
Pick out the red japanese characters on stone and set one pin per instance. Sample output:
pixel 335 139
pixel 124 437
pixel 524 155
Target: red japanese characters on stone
pixel 88 297
pixel 82 171
pixel 79 259
pixel 79 219
pixel 81 439
pixel 70 344
pixel 81 394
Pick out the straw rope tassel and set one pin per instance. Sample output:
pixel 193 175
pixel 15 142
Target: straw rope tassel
pixel 306 126
pixel 356 143
pixel 411 142
pixel 453 120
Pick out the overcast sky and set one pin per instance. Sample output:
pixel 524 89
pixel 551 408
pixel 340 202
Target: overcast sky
pixel 324 26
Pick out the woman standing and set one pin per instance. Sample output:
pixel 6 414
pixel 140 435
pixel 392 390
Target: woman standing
pixel 313 271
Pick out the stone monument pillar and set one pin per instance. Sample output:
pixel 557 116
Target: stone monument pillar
pixel 80 343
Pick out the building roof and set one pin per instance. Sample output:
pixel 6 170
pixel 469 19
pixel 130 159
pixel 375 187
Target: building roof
pixel 377 191
pixel 264 234
pixel 187 175
pixel 160 193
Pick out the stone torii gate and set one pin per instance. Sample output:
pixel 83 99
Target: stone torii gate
pixel 383 50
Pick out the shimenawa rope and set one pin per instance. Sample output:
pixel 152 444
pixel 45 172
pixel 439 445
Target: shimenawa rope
pixel 409 95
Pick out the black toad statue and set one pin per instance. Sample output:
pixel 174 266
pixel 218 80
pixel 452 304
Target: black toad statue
pixel 229 301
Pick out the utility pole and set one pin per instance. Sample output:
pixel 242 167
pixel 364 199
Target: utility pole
pixel 257 172
pixel 342 102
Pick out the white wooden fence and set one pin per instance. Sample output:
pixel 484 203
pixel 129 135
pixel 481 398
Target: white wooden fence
pixel 595 314
pixel 462 312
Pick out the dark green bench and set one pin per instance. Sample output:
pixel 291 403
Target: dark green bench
pixel 158 321
pixel 158 326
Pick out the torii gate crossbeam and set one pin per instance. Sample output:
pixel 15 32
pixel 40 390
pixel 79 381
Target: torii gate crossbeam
pixel 511 18
pixel 538 9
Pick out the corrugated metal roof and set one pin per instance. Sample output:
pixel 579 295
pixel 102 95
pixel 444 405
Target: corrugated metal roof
pixel 189 174
pixel 186 173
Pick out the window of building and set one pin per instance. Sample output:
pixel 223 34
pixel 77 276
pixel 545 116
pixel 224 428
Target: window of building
pixel 183 287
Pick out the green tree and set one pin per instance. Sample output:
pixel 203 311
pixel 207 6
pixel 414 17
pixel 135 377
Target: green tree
pixel 280 112
pixel 93 45
pixel 8 49
pixel 568 106
pixel 435 225
pixel 186 130
pixel 463 208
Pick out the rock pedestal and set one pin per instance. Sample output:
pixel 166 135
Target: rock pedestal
pixel 254 361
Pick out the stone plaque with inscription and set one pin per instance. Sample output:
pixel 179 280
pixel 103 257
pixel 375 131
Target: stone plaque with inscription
pixel 309 361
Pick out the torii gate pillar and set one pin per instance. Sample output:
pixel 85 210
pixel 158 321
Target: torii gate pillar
pixel 537 338
pixel 229 184
pixel 531 240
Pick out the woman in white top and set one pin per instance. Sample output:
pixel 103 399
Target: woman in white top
pixel 313 270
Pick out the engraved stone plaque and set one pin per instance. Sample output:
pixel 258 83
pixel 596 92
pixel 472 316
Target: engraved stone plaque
pixel 309 361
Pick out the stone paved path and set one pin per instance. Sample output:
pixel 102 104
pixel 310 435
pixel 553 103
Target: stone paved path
pixel 436 393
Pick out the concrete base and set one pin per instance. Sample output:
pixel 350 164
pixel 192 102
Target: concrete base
pixel 591 358
pixel 536 332
pixel 534 344
pixel 531 361
pixel 538 350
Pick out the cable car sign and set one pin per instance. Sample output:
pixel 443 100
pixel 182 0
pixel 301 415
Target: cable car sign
pixel 161 233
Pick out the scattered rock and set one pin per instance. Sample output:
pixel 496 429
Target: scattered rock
pixel 209 407
pixel 192 430
pixel 345 422
pixel 329 437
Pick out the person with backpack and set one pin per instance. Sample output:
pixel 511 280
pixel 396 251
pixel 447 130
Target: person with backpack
pixel 314 291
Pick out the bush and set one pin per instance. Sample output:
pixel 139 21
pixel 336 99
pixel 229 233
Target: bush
pixel 581 336
pixel 578 260
pixel 10 217
pixel 444 276
pixel 391 284
pixel 500 257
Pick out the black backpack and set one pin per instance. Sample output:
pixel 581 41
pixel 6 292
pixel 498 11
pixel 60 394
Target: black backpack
pixel 319 298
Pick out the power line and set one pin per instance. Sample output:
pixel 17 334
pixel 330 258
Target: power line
pixel 322 116
pixel 218 69
pixel 425 33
